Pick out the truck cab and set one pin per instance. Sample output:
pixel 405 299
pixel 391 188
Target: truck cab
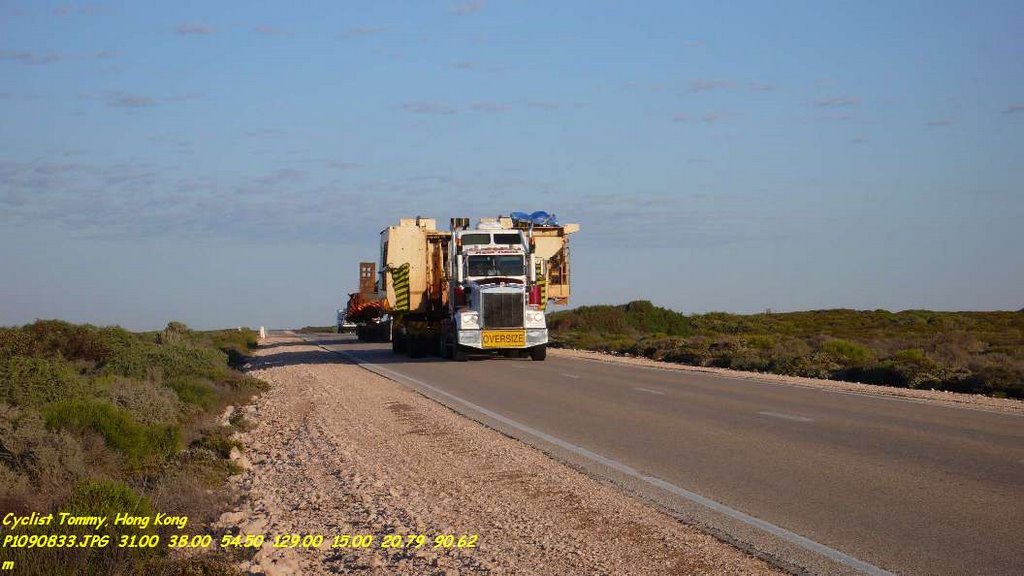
pixel 495 308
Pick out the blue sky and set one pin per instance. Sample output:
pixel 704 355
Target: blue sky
pixel 230 163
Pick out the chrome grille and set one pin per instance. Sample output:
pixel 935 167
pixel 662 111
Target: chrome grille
pixel 503 310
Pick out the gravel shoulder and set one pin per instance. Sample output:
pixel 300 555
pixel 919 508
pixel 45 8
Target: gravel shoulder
pixel 975 401
pixel 338 450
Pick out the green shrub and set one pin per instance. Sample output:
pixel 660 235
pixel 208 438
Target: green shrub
pixel 235 343
pixel 998 375
pixel 14 342
pixel 31 381
pixel 848 353
pixel 139 443
pixel 142 361
pixel 107 498
pixel 193 390
pixel 639 316
pixel 217 440
pixel 174 333
pixel 86 413
pixel 147 402
pixel 980 352
pixel 49 460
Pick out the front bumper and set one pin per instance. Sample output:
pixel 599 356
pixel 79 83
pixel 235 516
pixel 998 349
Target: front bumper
pixel 533 337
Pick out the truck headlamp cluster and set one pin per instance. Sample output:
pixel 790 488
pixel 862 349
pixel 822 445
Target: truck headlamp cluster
pixel 470 320
pixel 534 319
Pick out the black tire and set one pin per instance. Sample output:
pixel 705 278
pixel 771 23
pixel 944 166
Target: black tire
pixel 398 344
pixel 539 353
pixel 416 347
pixel 459 353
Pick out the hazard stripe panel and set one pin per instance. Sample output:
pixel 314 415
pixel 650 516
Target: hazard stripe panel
pixel 400 279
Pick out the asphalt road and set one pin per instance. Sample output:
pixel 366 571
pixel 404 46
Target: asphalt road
pixel 900 486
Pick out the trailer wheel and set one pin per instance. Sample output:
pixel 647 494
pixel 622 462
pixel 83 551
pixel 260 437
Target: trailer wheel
pixel 398 343
pixel 539 353
pixel 416 347
pixel 459 353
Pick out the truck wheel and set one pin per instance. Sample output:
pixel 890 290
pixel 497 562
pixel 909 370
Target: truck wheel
pixel 459 353
pixel 539 353
pixel 416 347
pixel 444 350
pixel 398 344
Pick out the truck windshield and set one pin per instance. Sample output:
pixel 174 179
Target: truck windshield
pixel 495 266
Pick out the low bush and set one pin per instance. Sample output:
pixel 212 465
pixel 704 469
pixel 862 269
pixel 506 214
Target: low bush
pixel 978 352
pixel 193 390
pixel 138 443
pixel 34 382
pixel 107 498
pixel 94 419
pixel 848 353
pixel 317 329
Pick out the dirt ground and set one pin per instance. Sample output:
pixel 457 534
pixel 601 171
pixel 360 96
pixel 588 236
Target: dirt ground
pixel 337 450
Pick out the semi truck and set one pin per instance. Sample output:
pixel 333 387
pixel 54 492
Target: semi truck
pixel 366 309
pixel 467 290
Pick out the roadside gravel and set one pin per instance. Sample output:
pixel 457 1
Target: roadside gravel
pixel 976 401
pixel 338 450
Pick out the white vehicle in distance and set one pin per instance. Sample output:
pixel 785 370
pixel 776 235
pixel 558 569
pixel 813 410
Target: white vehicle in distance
pixel 343 324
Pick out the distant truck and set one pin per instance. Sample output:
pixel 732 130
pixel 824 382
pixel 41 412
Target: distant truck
pixel 481 290
pixel 365 312
pixel 344 324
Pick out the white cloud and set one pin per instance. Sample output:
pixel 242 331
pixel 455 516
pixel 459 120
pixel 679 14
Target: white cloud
pixel 429 108
pixel 466 8
pixel 360 31
pixel 837 102
pixel 194 29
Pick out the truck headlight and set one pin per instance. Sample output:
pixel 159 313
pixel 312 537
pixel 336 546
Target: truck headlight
pixel 534 318
pixel 470 320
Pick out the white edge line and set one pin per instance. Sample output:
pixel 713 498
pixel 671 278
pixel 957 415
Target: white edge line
pixel 786 416
pixel 791 537
pixel 649 391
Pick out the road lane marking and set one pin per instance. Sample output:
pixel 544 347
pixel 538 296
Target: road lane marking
pixel 573 376
pixel 791 537
pixel 649 391
pixel 786 416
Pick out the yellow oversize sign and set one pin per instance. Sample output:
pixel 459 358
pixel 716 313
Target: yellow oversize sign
pixel 503 339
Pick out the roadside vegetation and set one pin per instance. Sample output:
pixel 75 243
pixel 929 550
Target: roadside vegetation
pixel 316 329
pixel 100 421
pixel 974 352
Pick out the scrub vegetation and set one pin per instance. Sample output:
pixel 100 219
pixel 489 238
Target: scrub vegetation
pixel 103 421
pixel 317 329
pixel 974 352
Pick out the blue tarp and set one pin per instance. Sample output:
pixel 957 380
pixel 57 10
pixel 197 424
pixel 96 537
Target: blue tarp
pixel 538 218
